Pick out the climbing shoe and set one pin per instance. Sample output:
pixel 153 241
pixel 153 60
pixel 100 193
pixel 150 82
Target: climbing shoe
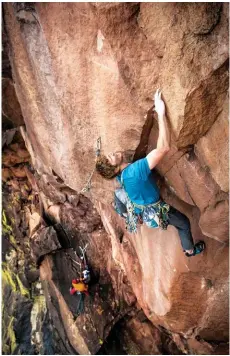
pixel 198 248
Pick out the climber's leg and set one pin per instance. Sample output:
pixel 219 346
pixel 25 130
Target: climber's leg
pixel 198 248
pixel 181 222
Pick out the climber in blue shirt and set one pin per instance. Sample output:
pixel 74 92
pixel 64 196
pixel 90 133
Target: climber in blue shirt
pixel 139 183
pixel 139 197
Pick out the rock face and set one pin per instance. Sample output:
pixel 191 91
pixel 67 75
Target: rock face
pixel 89 70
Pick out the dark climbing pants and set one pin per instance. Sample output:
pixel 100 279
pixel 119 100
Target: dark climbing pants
pixel 181 222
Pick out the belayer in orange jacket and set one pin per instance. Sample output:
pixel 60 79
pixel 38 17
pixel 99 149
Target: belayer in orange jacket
pixel 79 286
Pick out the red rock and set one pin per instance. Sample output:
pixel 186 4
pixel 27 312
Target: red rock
pixel 214 221
pixel 10 105
pixel 19 172
pixel 199 183
pixel 212 149
pixel 10 158
pixel 199 115
pixel 44 241
pixel 34 222
pixel 200 347
pixel 95 69
pixel 6 174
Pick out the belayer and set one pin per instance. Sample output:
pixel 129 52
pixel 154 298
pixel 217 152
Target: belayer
pixel 80 288
pixel 80 285
pixel 138 199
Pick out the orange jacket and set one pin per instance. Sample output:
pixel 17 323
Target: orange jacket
pixel 79 286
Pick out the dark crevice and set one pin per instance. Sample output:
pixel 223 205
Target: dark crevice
pixel 207 32
pixel 113 344
pixel 58 178
pixel 136 11
pixel 143 145
pixel 6 66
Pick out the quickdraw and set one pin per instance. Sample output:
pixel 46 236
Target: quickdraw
pixel 97 153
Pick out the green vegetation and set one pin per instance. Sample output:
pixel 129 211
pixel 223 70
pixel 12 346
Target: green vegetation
pixel 12 279
pixel 23 291
pixel 7 229
pixel 8 339
pixel 7 277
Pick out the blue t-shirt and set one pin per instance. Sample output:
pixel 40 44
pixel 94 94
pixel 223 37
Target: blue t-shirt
pixel 139 183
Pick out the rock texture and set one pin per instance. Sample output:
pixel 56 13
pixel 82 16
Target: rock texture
pixel 84 70
pixel 212 149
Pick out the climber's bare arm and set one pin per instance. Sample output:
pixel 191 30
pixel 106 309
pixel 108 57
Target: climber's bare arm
pixel 163 142
pixel 155 156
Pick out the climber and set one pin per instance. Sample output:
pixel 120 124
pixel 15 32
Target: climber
pixel 139 197
pixel 80 288
pixel 80 285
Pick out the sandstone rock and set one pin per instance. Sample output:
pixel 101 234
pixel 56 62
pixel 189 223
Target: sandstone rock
pixel 84 71
pixel 195 185
pixel 177 184
pixel 141 338
pixel 10 105
pixel 10 158
pixel 54 212
pixel 198 106
pixel 82 219
pixel 73 199
pixel 7 136
pixel 108 74
pixel 34 222
pixel 156 31
pixel 207 17
pixel 193 82
pixel 51 191
pixel 199 183
pixel 19 172
pixel 44 241
pixel 23 153
pixel 125 56
pixel 200 347
pixel 6 174
pixel 212 149
pixel 214 221
pixel 36 161
pixel 31 179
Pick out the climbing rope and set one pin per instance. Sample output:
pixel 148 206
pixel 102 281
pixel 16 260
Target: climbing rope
pixel 80 306
pixel 82 257
pixel 87 186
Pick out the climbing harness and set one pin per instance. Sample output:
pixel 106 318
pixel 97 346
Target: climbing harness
pixel 153 215
pixel 87 186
